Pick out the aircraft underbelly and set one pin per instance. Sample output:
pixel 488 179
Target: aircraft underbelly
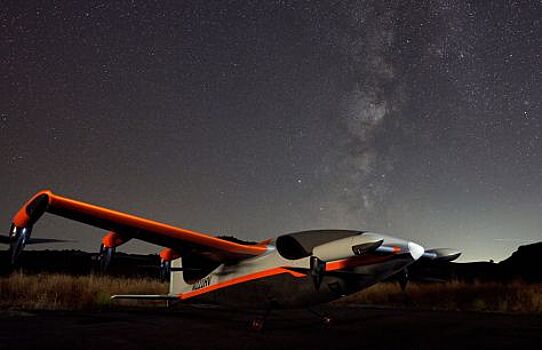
pixel 281 291
pixel 286 291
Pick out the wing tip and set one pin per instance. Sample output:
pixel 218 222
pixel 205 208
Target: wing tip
pixel 32 210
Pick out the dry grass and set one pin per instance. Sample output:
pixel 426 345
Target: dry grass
pixel 64 292
pixel 514 297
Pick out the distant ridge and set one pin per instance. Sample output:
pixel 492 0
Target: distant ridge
pixel 76 262
pixel 523 264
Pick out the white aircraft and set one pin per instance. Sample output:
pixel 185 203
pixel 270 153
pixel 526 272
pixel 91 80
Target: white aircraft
pixel 294 270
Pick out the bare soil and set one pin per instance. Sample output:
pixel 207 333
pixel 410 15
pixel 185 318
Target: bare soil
pixel 211 328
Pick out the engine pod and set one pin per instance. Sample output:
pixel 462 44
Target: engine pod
pixel 442 254
pixel 347 247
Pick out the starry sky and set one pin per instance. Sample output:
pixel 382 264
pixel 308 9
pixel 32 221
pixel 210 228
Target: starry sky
pixel 420 119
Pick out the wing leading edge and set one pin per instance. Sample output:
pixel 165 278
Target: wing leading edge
pixel 129 226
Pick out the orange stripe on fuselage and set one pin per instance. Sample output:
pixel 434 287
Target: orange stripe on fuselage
pixel 331 266
pixel 242 279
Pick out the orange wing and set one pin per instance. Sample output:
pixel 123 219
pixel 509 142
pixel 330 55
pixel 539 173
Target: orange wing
pixel 130 226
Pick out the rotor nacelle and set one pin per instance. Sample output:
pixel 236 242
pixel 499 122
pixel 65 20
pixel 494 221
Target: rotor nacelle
pixel 347 247
pixel 339 249
pixel 24 219
pixel 166 256
pixel 441 254
pixel 108 247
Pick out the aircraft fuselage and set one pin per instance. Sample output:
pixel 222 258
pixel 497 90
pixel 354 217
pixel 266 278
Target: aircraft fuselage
pixel 271 280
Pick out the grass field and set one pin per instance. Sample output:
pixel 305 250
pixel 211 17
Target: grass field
pixel 63 292
pixel 513 297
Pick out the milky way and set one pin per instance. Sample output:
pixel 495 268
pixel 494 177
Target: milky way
pixel 421 120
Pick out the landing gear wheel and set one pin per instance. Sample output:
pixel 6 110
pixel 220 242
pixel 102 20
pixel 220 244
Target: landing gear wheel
pixel 257 324
pixel 327 321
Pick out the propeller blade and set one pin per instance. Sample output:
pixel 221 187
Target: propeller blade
pixel 17 241
pixel 48 240
pixel 7 240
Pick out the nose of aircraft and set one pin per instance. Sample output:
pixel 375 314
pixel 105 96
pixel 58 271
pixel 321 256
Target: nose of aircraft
pixel 415 250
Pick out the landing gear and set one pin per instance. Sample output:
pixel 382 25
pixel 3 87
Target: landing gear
pixel 258 323
pixel 104 257
pixel 324 319
pixel 402 277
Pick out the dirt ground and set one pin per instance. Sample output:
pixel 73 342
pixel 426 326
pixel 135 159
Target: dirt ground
pixel 210 328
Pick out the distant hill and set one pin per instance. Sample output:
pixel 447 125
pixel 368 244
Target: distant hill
pixel 523 264
pixel 76 262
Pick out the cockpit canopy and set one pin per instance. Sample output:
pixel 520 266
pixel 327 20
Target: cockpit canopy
pixel 298 245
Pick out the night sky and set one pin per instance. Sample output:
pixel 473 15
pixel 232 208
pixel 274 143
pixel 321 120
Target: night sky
pixel 420 119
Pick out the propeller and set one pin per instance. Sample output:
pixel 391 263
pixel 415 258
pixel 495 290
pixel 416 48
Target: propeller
pixel 7 240
pixel 18 237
